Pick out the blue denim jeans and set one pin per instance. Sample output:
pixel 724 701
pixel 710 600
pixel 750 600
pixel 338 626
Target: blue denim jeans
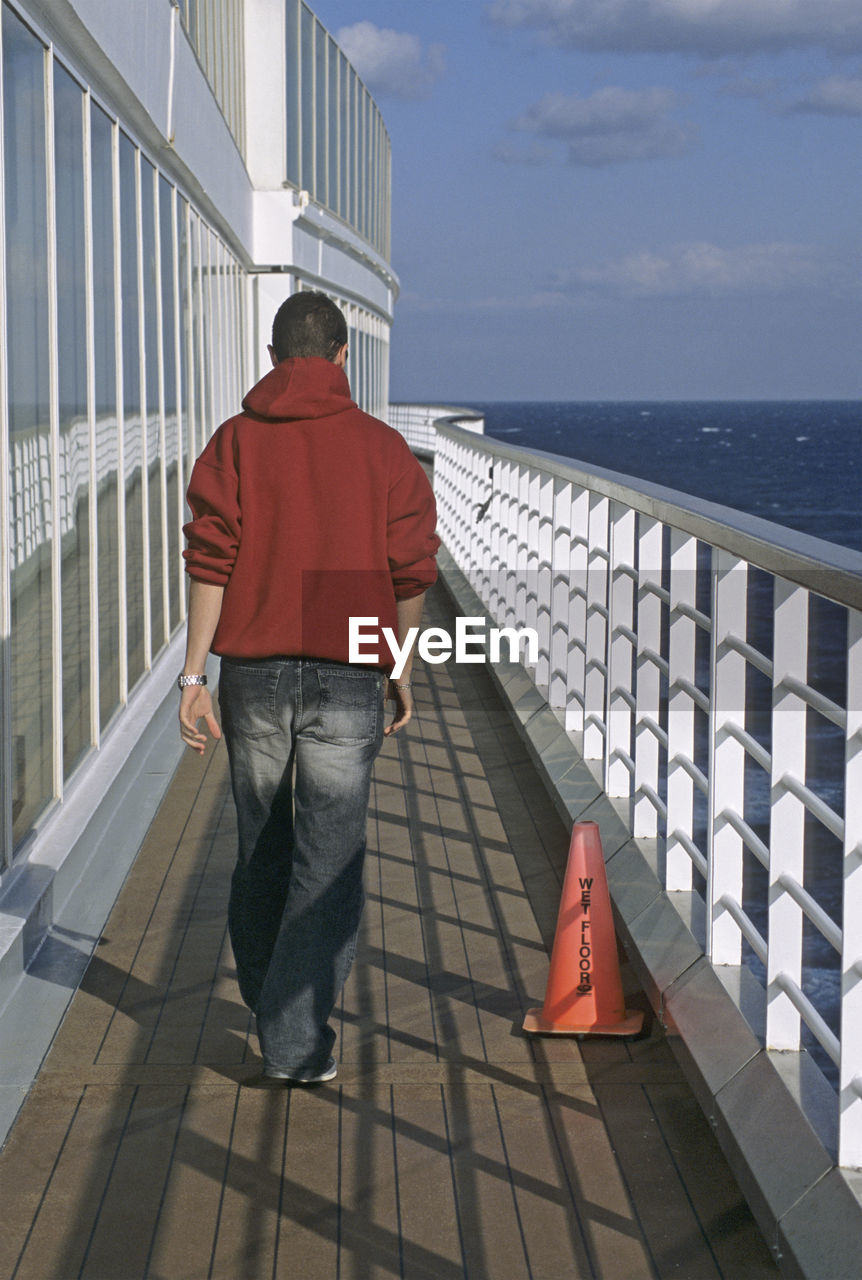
pixel 302 736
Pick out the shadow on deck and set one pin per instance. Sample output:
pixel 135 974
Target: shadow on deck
pixel 449 1147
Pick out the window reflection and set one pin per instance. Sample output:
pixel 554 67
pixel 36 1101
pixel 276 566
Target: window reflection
pixel 196 299
pixel 307 98
pixel 153 451
pixel 98 468
pixel 321 184
pixel 105 391
pixel 213 314
pixel 361 160
pixel 171 399
pixel 333 120
pixel 294 96
pixel 133 441
pixel 344 149
pixel 74 477
pixel 30 498
pixel 187 362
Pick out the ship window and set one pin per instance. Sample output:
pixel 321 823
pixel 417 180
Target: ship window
pixel 186 352
pixel 363 163
pixel 192 18
pixel 372 172
pixel 209 328
pixel 354 144
pixel 171 398
pixel 239 331
pixel 153 420
pixel 105 389
pixel 74 477
pixel 321 127
pixel 344 136
pixel 28 357
pixel 292 74
pixel 307 99
pixel 200 296
pixel 215 319
pixel 220 338
pixel 133 445
pixel 333 118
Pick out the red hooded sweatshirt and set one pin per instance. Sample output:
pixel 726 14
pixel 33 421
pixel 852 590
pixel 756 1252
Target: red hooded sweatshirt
pixel 309 512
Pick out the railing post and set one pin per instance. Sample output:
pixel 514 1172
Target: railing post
pixel 596 672
pixel 544 577
pixel 648 683
pixel 480 519
pixel 443 485
pixel 465 459
pixel 850 1085
pixel 498 536
pixel 787 822
pixel 726 755
pixel 576 662
pixel 529 616
pixel 516 596
pixel 681 710
pixel 561 561
pixel 621 621
pixel 507 541
pixel 475 528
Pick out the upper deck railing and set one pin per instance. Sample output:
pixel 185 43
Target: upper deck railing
pixel 418 423
pixel 338 148
pixel 216 31
pixel 709 666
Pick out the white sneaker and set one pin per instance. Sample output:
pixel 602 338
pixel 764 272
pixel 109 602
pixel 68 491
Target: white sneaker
pixel 329 1072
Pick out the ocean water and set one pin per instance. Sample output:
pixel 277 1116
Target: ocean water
pixel 798 463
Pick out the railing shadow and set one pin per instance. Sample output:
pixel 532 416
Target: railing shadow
pixel 448 1136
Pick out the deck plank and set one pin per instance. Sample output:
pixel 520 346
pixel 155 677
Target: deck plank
pixel 188 1222
pixel 450 1147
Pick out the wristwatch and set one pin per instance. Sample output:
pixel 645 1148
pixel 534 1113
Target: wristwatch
pixel 183 681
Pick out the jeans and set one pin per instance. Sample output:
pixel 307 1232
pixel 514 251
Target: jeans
pixel 302 736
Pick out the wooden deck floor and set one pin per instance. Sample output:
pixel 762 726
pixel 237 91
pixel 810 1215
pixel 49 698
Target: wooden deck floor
pixel 449 1147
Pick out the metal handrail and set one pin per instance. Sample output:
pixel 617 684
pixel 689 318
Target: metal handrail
pixel 565 537
pixel 822 567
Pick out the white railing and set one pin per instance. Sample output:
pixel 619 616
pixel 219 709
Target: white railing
pixel 416 422
pixel 688 649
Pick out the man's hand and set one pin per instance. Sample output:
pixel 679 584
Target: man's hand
pixel 399 691
pixel 403 699
pixel 195 704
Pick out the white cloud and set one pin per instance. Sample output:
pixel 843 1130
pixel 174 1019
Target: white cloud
pixel 392 62
pixel 706 27
pixel 835 96
pixel 611 126
pixel 702 268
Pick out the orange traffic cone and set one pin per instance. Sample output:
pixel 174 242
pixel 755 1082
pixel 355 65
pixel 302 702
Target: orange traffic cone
pixel 584 995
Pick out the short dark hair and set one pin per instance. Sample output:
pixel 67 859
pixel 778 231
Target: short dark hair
pixel 308 324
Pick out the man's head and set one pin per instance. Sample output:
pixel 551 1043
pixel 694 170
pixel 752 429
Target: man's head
pixel 309 324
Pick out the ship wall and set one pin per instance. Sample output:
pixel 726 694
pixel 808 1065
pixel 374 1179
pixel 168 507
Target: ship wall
pixel 170 173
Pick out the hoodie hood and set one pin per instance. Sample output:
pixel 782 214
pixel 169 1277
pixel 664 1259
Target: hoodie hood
pixel 308 387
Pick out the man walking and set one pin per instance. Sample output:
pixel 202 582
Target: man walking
pixel 306 512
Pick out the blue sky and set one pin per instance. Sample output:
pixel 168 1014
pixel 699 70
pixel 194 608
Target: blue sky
pixel 620 199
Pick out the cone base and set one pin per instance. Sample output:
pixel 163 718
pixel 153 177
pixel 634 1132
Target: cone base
pixel 536 1024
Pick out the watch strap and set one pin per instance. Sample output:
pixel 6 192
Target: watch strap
pixel 184 681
